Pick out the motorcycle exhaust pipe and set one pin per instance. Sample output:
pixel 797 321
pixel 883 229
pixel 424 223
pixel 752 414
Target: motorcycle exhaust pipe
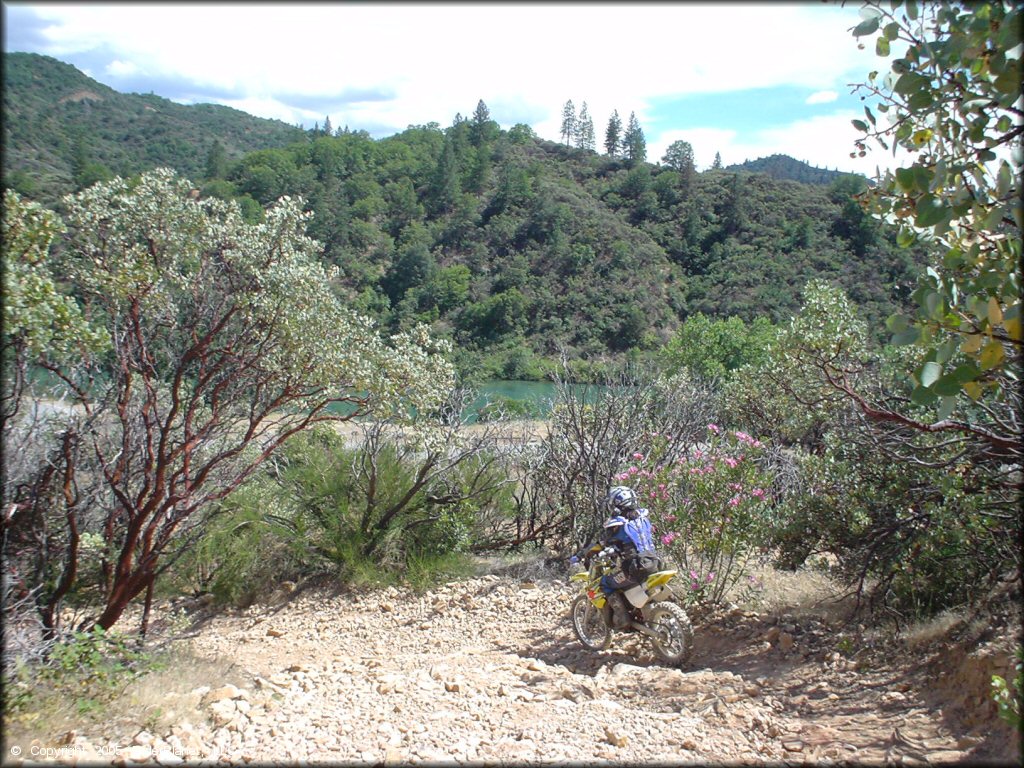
pixel 644 629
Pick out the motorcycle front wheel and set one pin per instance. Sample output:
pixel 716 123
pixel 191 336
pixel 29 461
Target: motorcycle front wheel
pixel 589 625
pixel 674 633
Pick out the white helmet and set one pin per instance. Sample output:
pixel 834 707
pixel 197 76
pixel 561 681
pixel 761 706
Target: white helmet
pixel 622 498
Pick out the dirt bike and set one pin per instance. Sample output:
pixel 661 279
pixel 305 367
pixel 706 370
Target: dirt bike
pixel 651 611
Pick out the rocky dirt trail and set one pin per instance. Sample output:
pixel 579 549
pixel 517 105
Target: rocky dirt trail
pixel 487 671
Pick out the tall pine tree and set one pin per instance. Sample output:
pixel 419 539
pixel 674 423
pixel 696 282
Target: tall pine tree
pixel 634 144
pixel 613 135
pixel 481 128
pixel 568 122
pixel 585 129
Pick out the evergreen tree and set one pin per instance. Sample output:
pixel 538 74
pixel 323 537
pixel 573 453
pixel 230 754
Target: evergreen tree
pixel 585 129
pixel 328 129
pixel 613 135
pixel 216 161
pixel 634 144
pixel 679 157
pixel 717 165
pixel 482 127
pixel 568 122
pixel 446 185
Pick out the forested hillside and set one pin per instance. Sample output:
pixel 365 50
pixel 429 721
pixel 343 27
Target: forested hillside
pixel 785 167
pixel 517 248
pixel 63 130
pixel 520 247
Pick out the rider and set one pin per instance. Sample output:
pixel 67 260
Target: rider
pixel 628 531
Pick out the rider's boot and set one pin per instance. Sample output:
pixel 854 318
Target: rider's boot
pixel 620 613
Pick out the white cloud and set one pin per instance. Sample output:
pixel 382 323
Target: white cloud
pixel 121 68
pixel 822 97
pixel 824 142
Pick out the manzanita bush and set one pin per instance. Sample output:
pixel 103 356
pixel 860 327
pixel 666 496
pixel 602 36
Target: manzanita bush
pixel 709 507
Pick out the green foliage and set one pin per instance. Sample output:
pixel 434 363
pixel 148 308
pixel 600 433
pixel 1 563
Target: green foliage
pixel 607 254
pixel 952 105
pixel 66 131
pixel 379 513
pixel 39 319
pixel 914 539
pixel 1008 703
pixel 918 520
pixel 715 349
pixel 237 325
pixel 246 548
pixel 787 395
pixel 86 668
pixel 783 167
pixel 710 506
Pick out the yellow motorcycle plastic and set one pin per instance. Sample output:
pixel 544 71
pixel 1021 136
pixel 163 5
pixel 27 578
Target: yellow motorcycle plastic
pixel 653 613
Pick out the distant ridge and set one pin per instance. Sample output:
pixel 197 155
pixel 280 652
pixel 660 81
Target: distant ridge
pixel 57 119
pixel 784 167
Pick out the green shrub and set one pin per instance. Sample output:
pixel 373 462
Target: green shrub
pixel 86 669
pixel 1009 705
pixel 248 546
pixel 374 515
pixel 710 507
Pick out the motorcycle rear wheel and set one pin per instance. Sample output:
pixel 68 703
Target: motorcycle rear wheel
pixel 589 626
pixel 674 641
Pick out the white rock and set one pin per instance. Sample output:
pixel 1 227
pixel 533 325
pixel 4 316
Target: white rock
pixel 219 694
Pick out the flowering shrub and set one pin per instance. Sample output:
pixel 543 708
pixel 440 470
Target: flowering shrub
pixel 708 507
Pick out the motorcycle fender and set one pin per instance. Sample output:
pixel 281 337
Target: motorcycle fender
pixel 661 592
pixel 636 595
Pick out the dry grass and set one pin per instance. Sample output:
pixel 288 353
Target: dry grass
pixel 165 697
pixel 161 696
pixel 921 634
pixel 809 591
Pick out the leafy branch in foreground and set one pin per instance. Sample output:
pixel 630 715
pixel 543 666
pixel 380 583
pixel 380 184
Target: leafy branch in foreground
pixel 225 340
pixel 953 104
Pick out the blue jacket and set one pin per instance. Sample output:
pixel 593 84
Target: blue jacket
pixel 634 535
pixel 631 538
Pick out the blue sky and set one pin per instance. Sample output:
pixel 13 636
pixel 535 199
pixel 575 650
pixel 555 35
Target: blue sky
pixel 743 80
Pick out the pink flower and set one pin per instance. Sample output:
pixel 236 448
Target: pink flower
pixel 734 501
pixel 714 428
pixel 757 493
pixel 711 576
pixel 694 575
pixel 638 456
